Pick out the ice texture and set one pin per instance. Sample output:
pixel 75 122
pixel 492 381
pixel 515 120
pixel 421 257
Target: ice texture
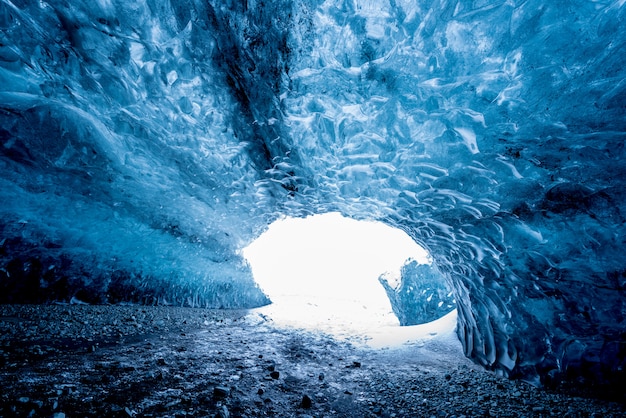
pixel 421 294
pixel 145 143
pixel 126 168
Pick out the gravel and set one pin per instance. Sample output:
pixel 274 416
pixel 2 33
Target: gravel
pixel 133 361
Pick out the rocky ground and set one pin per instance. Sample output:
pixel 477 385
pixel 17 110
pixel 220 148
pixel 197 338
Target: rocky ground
pixel 106 361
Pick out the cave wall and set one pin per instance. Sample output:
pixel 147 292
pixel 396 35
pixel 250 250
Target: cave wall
pixel 127 164
pixel 492 133
pixel 145 144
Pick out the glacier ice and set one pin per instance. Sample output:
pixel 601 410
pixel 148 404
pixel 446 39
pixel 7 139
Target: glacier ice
pixel 420 295
pixel 145 144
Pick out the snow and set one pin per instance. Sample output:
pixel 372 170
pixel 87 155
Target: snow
pixel 322 271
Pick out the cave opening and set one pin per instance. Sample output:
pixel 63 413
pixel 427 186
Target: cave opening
pixel 339 275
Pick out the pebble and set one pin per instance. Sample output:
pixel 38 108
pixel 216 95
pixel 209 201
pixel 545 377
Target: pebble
pixel 400 389
pixel 306 402
pixel 221 391
pixel 223 412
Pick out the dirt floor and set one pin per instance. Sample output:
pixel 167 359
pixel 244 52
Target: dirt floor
pixel 107 361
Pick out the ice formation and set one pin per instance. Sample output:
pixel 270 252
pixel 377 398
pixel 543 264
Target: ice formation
pixel 420 295
pixel 145 143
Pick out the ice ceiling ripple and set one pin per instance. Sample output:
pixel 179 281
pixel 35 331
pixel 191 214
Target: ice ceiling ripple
pixel 146 143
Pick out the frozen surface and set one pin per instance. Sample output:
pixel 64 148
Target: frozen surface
pixel 144 144
pixel 420 295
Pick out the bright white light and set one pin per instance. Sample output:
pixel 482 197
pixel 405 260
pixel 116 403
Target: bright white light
pixel 321 272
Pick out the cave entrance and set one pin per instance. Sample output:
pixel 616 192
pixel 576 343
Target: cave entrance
pixel 334 274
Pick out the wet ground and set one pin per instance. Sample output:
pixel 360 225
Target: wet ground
pixel 107 361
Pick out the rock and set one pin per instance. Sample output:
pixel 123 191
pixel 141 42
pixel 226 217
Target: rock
pixel 306 402
pixel 223 412
pixel 274 374
pixel 221 391
pixel 181 390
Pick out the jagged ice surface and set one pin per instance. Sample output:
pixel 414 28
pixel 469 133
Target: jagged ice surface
pixel 145 144
pixel 420 295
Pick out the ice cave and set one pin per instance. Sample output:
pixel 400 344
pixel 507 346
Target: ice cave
pixel 146 143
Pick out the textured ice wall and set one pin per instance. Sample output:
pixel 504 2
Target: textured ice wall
pixel 145 143
pixel 126 163
pixel 493 133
